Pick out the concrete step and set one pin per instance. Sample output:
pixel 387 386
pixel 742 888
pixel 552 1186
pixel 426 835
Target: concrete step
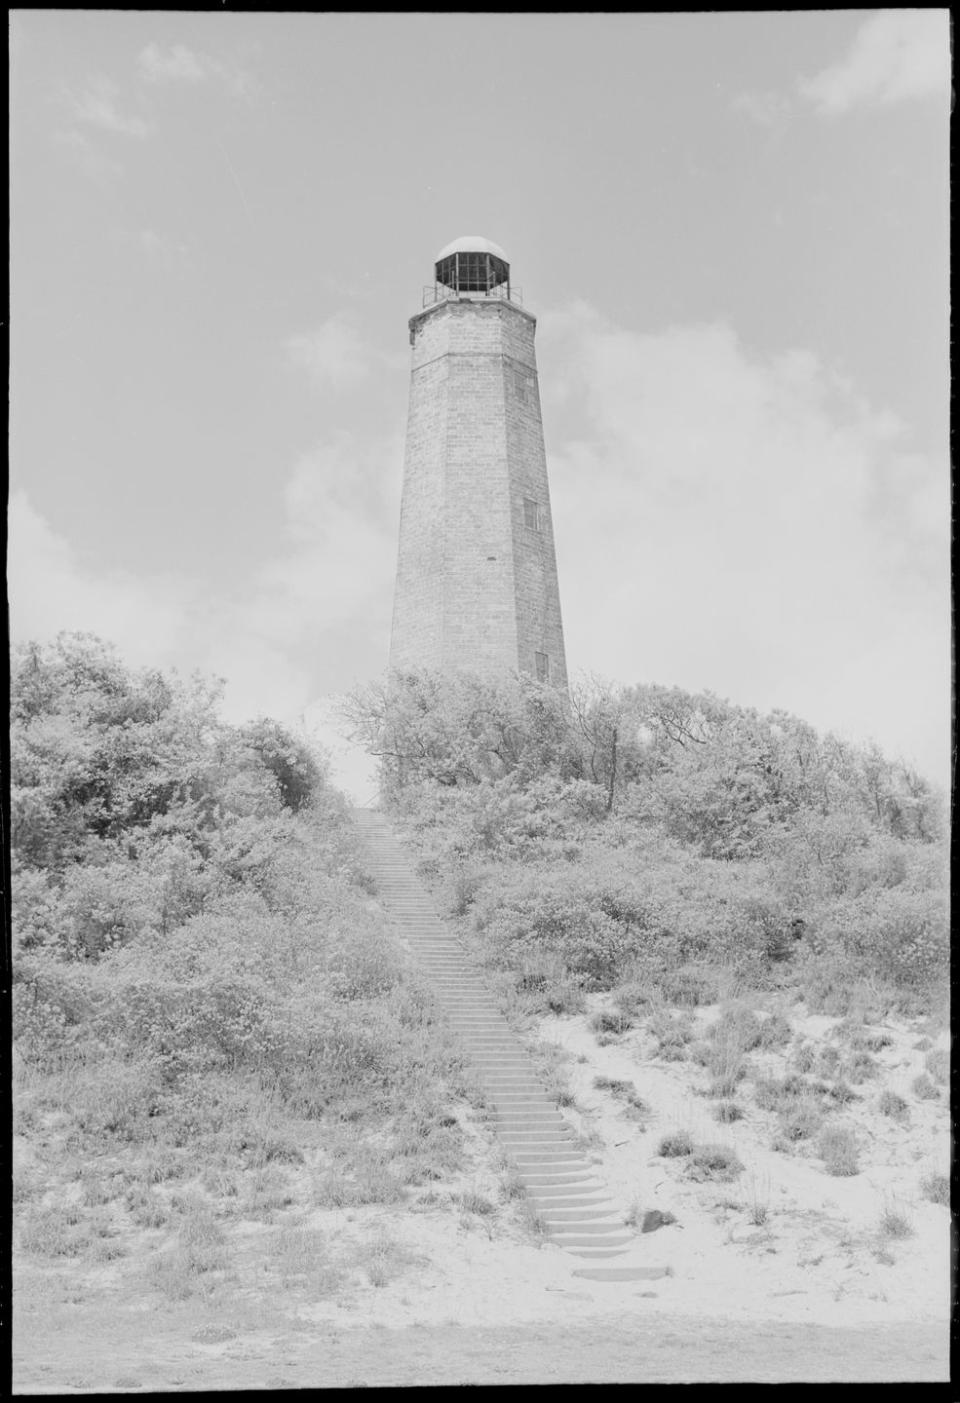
pixel 501 1079
pixel 540 1181
pixel 621 1273
pixel 587 1240
pixel 536 1120
pixel 532 1159
pixel 596 1254
pixel 543 1200
pixel 612 1229
pixel 510 1135
pixel 538 1145
pixel 507 1104
pixel 580 1216
pixel 531 1154
pixel 558 1178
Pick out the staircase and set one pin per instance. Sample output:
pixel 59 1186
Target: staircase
pixel 561 1186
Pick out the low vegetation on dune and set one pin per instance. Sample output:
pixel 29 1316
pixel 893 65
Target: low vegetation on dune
pixel 659 845
pixel 224 1061
pixel 212 1025
pixel 729 895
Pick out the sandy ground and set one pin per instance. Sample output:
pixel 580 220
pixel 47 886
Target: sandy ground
pixel 804 1295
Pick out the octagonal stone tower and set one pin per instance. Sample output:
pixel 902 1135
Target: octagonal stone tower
pixel 476 572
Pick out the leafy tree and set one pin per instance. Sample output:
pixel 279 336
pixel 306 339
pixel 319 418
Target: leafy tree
pixel 131 801
pixel 460 730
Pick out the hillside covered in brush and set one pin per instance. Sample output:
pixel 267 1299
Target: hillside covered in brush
pixel 204 992
pixel 653 833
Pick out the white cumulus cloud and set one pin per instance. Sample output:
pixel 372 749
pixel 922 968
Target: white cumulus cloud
pixel 98 107
pixel 333 354
pixel 896 55
pixel 180 64
pixel 746 523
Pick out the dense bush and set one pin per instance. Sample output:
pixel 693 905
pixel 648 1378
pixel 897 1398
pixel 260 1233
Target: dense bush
pixel 634 831
pixel 194 940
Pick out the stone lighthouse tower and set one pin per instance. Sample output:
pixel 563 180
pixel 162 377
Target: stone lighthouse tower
pixel 476 573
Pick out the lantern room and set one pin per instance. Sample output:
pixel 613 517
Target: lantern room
pixel 473 265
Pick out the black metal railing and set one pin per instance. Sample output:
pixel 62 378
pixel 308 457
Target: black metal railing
pixel 504 292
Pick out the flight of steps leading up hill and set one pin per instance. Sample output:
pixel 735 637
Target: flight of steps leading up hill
pixel 576 1211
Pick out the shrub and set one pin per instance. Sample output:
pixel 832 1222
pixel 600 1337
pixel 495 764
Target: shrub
pixel 611 1021
pixel 894 1223
pixel 470 1201
pixel 612 1084
pixel 673 1032
pixel 837 1147
pixel 936 1188
pixel 924 1088
pixel 937 1064
pixel 727 1070
pixel 805 1058
pixel 623 1090
pixel 803 1122
pixel 634 998
pixel 688 987
pixel 465 886
pixel 858 1068
pixel 841 1093
pixel 48 1232
pixel 873 1042
pixel 773 1095
pixel 675 1144
pixel 566 996
pixel 775 1031
pixel 718 1162
pixel 894 1106
pixel 727 1111
pixel 739 1027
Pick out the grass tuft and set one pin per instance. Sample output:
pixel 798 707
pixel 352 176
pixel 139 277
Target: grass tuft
pixel 775 1032
pixel 837 1147
pixel 675 1144
pixel 716 1162
pixel 924 1088
pixel 936 1188
pixel 894 1224
pixel 894 1106
pixel 803 1121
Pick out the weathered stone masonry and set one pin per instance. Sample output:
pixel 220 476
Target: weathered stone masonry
pixel 476 576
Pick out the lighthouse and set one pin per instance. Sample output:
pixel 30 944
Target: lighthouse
pixel 476 588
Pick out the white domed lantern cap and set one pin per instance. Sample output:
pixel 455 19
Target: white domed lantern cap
pixel 472 264
pixel 472 243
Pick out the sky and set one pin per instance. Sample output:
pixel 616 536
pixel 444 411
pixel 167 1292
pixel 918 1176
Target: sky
pixel 733 232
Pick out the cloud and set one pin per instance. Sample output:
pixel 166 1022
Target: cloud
pixel 333 354
pixel 98 108
pixel 163 249
pixel 87 157
pixel 896 55
pixel 767 109
pixel 51 589
pixel 339 567
pixel 182 65
pixel 310 620
pixel 746 523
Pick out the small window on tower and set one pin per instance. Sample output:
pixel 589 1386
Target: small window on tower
pixel 543 667
pixel 531 514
